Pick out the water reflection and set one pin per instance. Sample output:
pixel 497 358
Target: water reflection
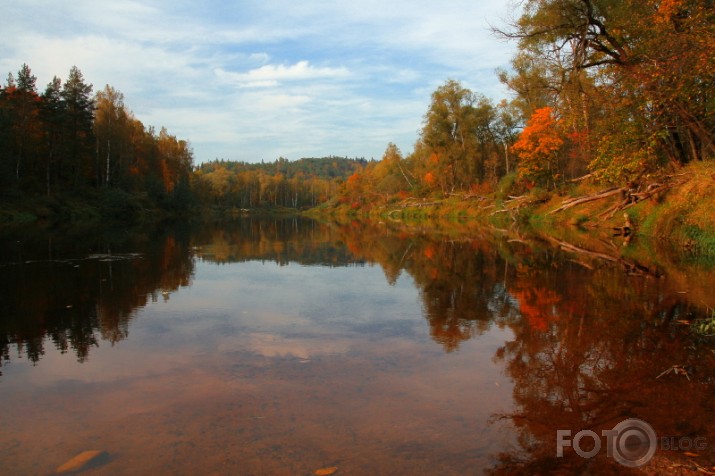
pixel 282 241
pixel 75 289
pixel 585 337
pixel 592 333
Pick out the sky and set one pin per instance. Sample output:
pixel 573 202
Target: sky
pixel 258 80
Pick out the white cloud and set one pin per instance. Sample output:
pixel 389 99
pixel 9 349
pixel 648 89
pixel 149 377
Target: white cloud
pixel 272 75
pixel 251 80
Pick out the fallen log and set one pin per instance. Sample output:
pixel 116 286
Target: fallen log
pixel 578 201
pixel 634 198
pixel 579 179
pixel 659 188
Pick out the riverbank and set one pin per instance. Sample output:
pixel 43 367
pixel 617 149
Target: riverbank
pixel 115 205
pixel 89 206
pixel 674 211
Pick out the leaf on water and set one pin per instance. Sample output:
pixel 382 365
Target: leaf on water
pixel 82 461
pixel 326 471
pixel 692 455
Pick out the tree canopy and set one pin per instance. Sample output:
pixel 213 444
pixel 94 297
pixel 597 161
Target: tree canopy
pixel 68 140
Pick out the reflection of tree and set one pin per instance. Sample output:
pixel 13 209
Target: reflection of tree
pixel 454 277
pixel 586 352
pixel 281 240
pixel 74 291
pixel 456 282
pixel 457 279
pixel 589 339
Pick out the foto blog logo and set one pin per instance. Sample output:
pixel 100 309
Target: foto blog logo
pixel 631 443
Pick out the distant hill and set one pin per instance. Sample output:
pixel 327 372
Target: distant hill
pixel 322 167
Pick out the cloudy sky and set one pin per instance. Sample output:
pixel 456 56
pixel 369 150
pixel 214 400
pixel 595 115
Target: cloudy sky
pixel 253 80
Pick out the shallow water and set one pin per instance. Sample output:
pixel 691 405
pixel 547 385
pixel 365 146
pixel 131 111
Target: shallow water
pixel 286 346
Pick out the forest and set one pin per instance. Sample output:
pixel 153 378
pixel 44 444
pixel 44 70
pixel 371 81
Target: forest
pixel 66 141
pixel 613 90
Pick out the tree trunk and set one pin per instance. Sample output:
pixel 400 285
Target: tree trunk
pixel 106 180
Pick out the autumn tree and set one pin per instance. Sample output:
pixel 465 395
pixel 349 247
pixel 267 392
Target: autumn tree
pixel 110 125
pixel 390 176
pixel 175 161
pixel 20 106
pixel 529 81
pixel 506 129
pixel 538 147
pixel 66 141
pixel 449 132
pixel 490 134
pixel 642 66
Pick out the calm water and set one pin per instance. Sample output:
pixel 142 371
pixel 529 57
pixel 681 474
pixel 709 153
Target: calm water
pixel 287 346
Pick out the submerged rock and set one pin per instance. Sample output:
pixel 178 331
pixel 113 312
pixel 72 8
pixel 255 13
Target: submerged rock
pixel 84 460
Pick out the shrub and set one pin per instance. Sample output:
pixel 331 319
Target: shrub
pixel 505 186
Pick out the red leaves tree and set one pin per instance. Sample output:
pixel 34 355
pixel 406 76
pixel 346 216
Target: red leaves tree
pixel 538 147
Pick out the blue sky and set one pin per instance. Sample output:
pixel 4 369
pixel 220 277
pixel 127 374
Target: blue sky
pixel 258 80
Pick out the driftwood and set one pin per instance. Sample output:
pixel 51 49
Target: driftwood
pixel 655 189
pixel 590 198
pixel 468 195
pixel 631 194
pixel 634 197
pixel 515 203
pixel 580 179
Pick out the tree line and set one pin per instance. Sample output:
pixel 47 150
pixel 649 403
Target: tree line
pixel 610 88
pixel 67 140
pixel 299 184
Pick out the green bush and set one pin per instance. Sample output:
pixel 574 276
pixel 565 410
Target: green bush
pixel 705 327
pixel 505 185
pixel 538 194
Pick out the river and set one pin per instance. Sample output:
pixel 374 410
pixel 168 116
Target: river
pixel 288 346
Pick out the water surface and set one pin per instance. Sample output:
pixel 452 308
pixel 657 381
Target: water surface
pixel 286 346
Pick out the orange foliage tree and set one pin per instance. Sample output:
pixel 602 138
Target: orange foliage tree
pixel 538 147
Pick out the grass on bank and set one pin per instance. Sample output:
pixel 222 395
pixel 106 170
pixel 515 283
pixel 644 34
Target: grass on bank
pixel 681 217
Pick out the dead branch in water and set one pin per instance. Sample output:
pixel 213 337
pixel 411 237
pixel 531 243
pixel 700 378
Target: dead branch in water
pixel 631 267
